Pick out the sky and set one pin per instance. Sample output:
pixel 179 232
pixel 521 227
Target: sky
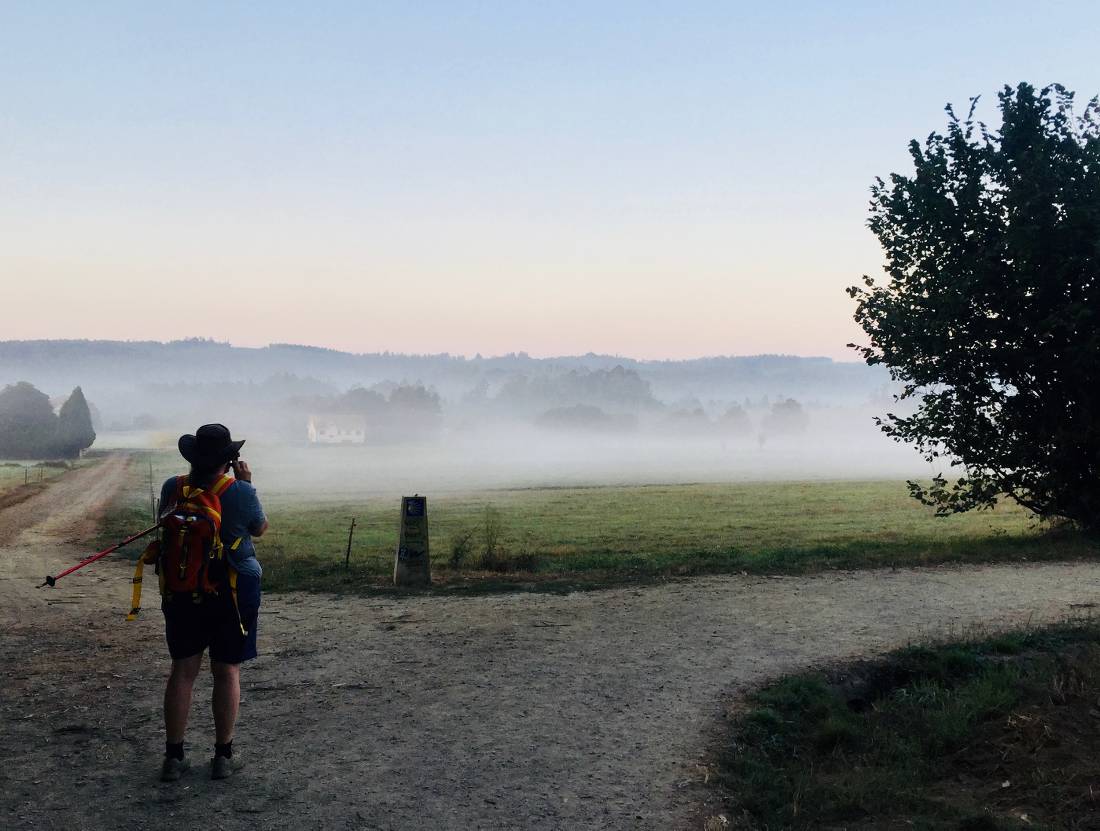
pixel 648 179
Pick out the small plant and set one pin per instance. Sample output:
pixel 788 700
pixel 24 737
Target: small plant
pixel 510 563
pixel 492 530
pixel 462 543
pixel 526 559
pixel 494 557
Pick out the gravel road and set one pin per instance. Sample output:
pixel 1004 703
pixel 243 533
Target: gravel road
pixel 587 710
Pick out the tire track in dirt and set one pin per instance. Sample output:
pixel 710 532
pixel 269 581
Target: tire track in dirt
pixel 73 502
pixel 38 535
pixel 589 710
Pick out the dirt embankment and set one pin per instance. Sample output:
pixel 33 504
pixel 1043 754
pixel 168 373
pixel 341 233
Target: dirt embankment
pixel 590 710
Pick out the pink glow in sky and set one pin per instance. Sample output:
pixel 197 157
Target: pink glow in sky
pixel 661 182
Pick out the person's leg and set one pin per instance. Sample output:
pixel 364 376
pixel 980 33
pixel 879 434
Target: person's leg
pixel 228 649
pixel 227 699
pixel 177 696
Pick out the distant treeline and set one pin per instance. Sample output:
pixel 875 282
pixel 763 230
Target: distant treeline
pixel 275 390
pixel 97 364
pixel 390 412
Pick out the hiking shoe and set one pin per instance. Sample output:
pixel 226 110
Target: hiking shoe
pixel 222 767
pixel 172 768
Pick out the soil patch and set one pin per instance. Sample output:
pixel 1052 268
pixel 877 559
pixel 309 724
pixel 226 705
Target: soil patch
pixel 20 493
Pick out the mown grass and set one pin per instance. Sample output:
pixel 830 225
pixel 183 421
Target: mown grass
pixel 20 474
pixel 993 733
pixel 132 508
pixel 21 480
pixel 616 533
pixel 595 535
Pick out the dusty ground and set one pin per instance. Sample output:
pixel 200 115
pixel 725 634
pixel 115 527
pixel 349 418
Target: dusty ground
pixel 591 710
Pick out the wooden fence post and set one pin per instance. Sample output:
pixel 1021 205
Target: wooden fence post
pixel 347 555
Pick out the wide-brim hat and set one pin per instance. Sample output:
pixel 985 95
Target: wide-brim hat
pixel 210 446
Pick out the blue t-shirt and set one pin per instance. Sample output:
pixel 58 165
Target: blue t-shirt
pixel 242 516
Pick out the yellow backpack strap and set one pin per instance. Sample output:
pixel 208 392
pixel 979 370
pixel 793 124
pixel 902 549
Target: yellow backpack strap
pixel 149 555
pixel 135 595
pixel 189 492
pixel 233 592
pixel 221 485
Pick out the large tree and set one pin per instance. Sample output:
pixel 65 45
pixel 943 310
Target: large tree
pixel 990 313
pixel 28 426
pixel 74 425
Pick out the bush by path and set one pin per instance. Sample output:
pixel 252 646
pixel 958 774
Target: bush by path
pixel 978 734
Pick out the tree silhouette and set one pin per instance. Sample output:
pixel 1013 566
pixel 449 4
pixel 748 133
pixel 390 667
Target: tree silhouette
pixel 990 316
pixel 786 418
pixel 28 426
pixel 74 425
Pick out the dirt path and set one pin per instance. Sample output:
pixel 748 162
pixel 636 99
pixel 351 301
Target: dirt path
pixel 589 710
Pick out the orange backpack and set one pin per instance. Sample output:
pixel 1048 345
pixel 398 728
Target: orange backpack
pixel 191 558
pixel 189 555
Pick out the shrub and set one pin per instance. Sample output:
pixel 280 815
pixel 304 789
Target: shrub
pixel 28 426
pixel 491 530
pixel 462 543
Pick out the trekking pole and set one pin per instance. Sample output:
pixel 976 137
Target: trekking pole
pixel 50 581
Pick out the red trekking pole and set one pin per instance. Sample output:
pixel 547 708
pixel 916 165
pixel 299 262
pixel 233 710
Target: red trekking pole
pixel 50 581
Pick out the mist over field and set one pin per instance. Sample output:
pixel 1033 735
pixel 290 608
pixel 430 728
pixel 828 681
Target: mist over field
pixel 386 423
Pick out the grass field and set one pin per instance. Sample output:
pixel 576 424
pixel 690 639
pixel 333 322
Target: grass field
pixel 986 734
pixel 18 474
pixel 21 480
pixel 598 534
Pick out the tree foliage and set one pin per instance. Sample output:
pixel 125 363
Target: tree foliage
pixel 362 401
pixel 29 429
pixel 414 409
pixel 990 313
pixel 615 390
pixel 735 421
pixel 74 425
pixel 786 418
pixel 28 426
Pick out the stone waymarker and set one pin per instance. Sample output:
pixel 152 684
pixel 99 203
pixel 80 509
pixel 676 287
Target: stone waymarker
pixel 411 567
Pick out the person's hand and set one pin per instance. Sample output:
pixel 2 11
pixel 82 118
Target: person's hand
pixel 242 471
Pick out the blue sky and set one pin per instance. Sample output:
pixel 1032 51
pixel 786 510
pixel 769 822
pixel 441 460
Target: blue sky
pixel 650 179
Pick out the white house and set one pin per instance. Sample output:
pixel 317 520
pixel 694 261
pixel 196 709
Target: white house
pixel 337 429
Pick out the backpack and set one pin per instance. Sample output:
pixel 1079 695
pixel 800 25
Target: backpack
pixel 189 555
pixel 191 559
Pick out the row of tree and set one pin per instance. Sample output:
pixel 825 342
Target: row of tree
pixel 30 429
pixel 785 418
pixel 393 412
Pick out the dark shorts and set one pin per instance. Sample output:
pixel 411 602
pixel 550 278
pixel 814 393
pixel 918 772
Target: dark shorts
pixel 192 627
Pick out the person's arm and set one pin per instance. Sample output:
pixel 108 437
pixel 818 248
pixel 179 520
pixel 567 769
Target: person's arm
pixel 241 470
pixel 257 524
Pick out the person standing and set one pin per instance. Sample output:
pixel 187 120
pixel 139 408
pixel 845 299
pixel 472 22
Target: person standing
pixel 223 621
